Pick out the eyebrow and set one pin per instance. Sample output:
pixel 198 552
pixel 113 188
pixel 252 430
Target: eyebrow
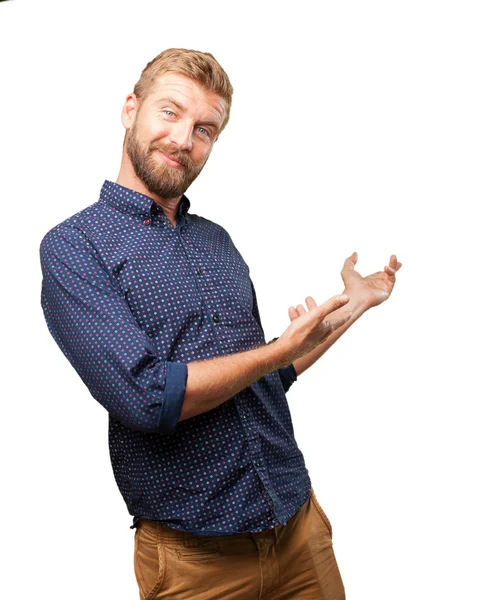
pixel 181 107
pixel 172 100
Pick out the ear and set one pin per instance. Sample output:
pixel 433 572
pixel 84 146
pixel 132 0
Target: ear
pixel 129 111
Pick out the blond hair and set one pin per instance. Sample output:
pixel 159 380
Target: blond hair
pixel 202 67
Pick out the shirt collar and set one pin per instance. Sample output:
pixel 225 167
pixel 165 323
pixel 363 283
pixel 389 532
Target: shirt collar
pixel 129 201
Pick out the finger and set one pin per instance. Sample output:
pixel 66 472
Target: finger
pixel 390 272
pixel 393 261
pixel 293 313
pixel 332 304
pixel 300 309
pixel 310 302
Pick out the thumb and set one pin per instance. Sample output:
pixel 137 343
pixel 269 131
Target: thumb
pixel 351 261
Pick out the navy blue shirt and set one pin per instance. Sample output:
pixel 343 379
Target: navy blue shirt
pixel 131 299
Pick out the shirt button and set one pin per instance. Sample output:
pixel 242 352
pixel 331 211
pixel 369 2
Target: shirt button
pixel 216 317
pixel 199 271
pixel 243 416
pixel 258 462
pixel 147 221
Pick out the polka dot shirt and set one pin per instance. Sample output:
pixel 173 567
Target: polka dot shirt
pixel 131 299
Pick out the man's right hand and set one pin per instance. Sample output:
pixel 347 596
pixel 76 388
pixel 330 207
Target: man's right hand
pixel 313 327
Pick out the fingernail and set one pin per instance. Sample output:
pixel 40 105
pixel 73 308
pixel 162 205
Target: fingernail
pixel 343 297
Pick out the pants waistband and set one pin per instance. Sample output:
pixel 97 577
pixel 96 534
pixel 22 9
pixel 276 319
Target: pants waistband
pixel 169 533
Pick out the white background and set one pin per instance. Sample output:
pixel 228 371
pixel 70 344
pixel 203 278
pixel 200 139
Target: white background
pixel 354 126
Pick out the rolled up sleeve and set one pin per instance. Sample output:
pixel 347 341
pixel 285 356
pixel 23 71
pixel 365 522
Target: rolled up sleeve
pixel 176 377
pixel 288 376
pixel 92 324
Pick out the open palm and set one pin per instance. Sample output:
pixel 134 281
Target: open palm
pixel 371 290
pixel 374 288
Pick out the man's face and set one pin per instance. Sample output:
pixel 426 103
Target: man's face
pixel 178 118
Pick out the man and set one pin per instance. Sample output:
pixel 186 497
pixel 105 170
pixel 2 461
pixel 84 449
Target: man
pixel 155 309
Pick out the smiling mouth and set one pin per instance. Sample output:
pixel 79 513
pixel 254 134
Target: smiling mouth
pixel 171 161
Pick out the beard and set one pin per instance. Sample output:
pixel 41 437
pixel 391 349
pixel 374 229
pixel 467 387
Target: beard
pixel 158 177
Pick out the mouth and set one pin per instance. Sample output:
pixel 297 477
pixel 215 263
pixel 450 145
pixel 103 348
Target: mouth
pixel 171 161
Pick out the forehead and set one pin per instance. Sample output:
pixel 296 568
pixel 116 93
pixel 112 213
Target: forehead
pixel 189 93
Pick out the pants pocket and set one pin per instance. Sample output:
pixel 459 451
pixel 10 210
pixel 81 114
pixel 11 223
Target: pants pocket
pixel 194 554
pixel 321 512
pixel 149 562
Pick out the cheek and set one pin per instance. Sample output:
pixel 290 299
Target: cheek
pixel 156 132
pixel 200 153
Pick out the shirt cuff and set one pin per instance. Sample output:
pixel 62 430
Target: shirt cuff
pixel 288 376
pixel 176 377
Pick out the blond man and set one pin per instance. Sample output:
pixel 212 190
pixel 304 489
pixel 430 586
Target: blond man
pixel 154 307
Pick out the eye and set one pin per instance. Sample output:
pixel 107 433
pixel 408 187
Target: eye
pixel 169 112
pixel 204 131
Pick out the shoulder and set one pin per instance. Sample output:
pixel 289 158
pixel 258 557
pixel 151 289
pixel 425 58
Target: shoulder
pixel 207 223
pixel 73 230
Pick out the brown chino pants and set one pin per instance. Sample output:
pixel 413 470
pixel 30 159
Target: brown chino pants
pixel 292 561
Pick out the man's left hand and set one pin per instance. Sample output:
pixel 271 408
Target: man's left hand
pixel 373 289
pixel 369 291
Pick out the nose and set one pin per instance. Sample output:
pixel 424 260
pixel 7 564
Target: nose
pixel 181 135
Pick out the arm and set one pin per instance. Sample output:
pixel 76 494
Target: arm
pixel 92 323
pixel 212 382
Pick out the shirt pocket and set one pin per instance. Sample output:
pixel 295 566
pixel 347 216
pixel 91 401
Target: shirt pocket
pixel 160 291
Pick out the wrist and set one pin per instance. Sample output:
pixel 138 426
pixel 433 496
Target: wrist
pixel 357 304
pixel 284 352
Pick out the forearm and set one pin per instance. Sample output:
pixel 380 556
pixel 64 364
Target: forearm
pixel 358 308
pixel 212 382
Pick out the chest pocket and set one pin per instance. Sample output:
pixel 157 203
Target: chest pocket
pixel 159 290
